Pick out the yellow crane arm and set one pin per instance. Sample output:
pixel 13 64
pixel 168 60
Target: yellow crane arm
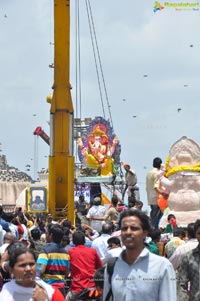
pixel 61 159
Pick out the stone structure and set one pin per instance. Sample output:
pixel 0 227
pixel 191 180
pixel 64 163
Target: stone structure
pixel 12 182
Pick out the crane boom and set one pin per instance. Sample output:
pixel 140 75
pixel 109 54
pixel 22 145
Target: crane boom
pixel 61 159
pixel 40 132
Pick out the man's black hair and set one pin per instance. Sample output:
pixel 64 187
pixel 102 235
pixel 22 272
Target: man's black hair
pixel 66 239
pixel 78 238
pixel 170 216
pixel 1 211
pixel 56 231
pixel 82 197
pixel 114 200
pixel 35 233
pixel 8 217
pixel 190 230
pixel 131 204
pixel 196 225
pixel 99 277
pixel 157 162
pixel 138 213
pixel 154 233
pixel 179 231
pixel 114 240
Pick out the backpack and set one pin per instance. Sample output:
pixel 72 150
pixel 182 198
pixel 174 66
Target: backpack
pixel 110 269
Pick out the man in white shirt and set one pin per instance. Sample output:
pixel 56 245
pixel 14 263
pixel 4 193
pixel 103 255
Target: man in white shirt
pixel 153 189
pixel 9 237
pixel 12 228
pixel 97 210
pixel 114 248
pixel 100 243
pixel 191 244
pixel 139 274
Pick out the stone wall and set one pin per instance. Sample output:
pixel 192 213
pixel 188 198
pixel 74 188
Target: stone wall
pixel 10 191
pixel 12 182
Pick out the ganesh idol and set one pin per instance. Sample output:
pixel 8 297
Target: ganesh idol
pixel 98 149
pixel 182 181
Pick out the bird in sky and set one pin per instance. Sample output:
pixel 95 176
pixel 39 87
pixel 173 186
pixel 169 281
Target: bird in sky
pixel 191 45
pixel 185 85
pixel 179 109
pixel 134 116
pixel 51 65
pixel 5 16
pixel 124 99
pixel 145 75
pixel 34 115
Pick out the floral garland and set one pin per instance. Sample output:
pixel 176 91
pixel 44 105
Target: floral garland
pixel 167 164
pixel 169 172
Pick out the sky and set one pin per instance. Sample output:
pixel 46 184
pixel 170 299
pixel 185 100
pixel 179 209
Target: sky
pixel 151 68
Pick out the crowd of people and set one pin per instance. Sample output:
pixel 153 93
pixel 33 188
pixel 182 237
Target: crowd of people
pixel 115 253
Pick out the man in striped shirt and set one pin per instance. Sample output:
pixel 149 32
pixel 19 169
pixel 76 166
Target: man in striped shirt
pixel 53 260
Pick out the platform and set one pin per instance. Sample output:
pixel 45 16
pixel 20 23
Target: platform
pixel 96 179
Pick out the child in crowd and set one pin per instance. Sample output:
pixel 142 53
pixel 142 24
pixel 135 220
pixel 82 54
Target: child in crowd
pixel 172 225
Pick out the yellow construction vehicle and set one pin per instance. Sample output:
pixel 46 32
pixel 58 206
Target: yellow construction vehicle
pixel 60 189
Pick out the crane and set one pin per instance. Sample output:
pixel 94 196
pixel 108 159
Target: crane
pixel 40 132
pixel 60 191
pixel 61 158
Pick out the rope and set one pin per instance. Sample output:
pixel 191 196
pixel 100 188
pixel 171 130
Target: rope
pixel 78 66
pixel 78 57
pixel 35 168
pixel 100 64
pixel 95 59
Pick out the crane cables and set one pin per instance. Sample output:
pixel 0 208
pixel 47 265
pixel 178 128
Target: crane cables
pixel 97 60
pixel 78 96
pixel 35 158
pixel 78 60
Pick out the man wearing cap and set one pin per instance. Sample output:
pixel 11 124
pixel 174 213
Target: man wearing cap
pixel 130 178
